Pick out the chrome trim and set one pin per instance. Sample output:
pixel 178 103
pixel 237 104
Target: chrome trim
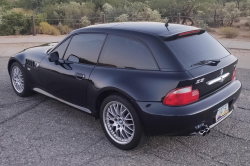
pixel 70 104
pixel 213 125
pixel 219 79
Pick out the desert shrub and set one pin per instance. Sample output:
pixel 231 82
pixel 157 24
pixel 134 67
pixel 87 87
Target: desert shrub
pixel 12 19
pixel 107 8
pixel 23 11
pixel 1 14
pixel 136 11
pixel 73 11
pixel 18 30
pixel 64 29
pixel 41 17
pixel 122 18
pixel 147 14
pixel 18 22
pixel 203 25
pixel 46 28
pixel 84 21
pixel 229 32
pixel 232 14
pixel 248 22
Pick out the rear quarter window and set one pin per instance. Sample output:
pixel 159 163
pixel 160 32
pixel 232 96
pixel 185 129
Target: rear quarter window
pixel 124 52
pixel 193 49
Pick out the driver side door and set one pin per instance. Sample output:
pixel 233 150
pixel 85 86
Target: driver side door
pixel 67 79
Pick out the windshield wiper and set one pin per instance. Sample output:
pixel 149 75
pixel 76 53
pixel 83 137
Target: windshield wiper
pixel 213 62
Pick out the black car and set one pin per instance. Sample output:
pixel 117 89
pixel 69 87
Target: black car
pixel 139 78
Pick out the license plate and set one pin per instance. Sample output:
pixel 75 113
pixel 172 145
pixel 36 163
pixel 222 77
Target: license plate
pixel 222 111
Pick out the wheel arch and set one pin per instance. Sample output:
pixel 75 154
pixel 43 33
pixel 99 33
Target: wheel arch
pixel 107 92
pixel 111 91
pixel 11 61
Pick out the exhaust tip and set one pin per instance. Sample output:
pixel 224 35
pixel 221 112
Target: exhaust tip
pixel 204 131
pixel 207 130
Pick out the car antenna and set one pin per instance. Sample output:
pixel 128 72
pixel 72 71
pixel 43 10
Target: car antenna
pixel 167 23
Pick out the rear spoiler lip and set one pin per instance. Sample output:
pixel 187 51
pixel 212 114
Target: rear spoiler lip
pixel 176 35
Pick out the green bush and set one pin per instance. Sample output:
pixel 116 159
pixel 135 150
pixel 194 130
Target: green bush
pixel 15 23
pixel 13 19
pixel 229 32
pixel 46 28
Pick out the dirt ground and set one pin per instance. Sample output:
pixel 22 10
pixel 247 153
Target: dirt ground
pixel 244 31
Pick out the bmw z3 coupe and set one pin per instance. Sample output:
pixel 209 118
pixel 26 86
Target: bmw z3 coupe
pixel 139 78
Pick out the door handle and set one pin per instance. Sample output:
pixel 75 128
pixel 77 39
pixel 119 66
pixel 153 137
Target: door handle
pixel 79 76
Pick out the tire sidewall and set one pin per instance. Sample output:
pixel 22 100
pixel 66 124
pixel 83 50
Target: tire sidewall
pixel 138 127
pixel 26 89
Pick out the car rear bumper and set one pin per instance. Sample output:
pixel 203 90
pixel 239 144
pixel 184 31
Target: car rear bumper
pixel 160 119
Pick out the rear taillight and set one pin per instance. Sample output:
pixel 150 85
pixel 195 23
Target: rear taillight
pixel 181 96
pixel 234 76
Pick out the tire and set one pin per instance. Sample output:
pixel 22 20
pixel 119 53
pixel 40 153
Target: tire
pixel 127 136
pixel 21 87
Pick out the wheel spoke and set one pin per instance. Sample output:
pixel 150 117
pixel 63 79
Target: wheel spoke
pixel 111 112
pixel 115 106
pixel 111 118
pixel 123 111
pixel 127 133
pixel 129 127
pixel 121 131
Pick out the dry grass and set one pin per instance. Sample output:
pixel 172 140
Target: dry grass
pixel 64 29
pixel 46 28
pixel 229 32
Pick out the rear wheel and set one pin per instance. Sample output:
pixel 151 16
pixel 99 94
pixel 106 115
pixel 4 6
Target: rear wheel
pixel 121 123
pixel 19 80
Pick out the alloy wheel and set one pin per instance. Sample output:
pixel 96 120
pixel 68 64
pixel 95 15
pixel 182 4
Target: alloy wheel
pixel 118 122
pixel 17 79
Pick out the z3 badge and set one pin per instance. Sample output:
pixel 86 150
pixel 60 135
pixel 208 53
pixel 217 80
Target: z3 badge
pixel 200 81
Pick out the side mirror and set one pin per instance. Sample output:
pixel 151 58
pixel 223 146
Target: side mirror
pixel 54 57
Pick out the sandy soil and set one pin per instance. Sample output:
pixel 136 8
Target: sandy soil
pixel 243 30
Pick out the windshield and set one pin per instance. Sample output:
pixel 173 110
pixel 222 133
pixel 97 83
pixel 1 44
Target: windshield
pixel 193 49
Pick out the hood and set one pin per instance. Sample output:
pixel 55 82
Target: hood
pixel 41 48
pixel 35 54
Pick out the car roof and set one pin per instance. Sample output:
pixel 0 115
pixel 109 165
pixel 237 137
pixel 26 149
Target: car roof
pixel 154 28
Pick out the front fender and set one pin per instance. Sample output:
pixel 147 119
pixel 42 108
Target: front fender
pixel 35 54
pixel 19 58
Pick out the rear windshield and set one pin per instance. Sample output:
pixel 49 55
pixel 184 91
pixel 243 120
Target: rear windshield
pixel 193 49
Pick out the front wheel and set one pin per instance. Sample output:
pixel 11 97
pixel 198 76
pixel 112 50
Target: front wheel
pixel 121 123
pixel 19 80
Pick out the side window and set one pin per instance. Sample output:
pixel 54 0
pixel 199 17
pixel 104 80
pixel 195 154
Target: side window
pixel 86 47
pixel 62 48
pixel 124 52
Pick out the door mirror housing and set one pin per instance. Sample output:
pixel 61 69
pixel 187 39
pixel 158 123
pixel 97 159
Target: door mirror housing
pixel 54 57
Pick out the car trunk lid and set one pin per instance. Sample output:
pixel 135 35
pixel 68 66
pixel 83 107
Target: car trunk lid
pixel 211 65
pixel 208 79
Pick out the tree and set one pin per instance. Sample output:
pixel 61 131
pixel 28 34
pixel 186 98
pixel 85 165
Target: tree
pixel 232 14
